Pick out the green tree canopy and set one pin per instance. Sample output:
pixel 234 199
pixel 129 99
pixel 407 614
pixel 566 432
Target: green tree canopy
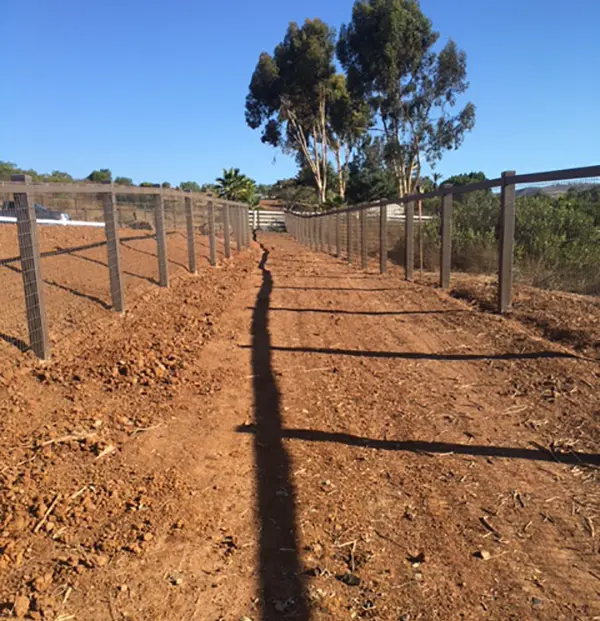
pixel 369 176
pixel 57 176
pixel 123 181
pixel 466 178
pixel 289 93
pixel 349 119
pixel 387 51
pixel 235 186
pixel 100 176
pixel 189 186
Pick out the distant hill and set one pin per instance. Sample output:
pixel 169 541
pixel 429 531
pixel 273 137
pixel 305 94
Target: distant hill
pixel 557 189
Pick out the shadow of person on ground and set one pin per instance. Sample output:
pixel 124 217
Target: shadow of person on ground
pixel 282 594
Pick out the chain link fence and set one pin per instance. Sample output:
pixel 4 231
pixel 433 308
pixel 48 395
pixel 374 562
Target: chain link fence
pixel 65 254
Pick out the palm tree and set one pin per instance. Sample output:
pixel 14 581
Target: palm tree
pixel 236 187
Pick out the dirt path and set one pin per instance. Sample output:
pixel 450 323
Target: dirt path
pixel 342 445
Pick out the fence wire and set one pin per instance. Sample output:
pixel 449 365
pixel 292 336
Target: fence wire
pixel 95 251
pixel 556 241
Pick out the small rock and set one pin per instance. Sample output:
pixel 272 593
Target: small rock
pixel 102 560
pixel 483 554
pixel 417 559
pixel 148 537
pixel 21 606
pixel 536 602
pixel 349 579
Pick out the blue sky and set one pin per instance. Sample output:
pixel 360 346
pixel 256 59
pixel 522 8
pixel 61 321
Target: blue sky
pixel 155 90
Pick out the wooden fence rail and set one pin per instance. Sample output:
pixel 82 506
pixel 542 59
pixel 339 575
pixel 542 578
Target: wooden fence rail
pixel 234 215
pixel 306 225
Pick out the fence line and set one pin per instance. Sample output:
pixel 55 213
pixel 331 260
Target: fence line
pixel 306 227
pixel 23 191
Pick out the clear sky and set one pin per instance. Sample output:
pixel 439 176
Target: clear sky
pixel 155 90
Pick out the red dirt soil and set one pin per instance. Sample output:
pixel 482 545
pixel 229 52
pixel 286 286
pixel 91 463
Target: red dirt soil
pixel 75 273
pixel 297 439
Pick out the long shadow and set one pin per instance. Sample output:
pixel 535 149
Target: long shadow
pixel 420 446
pixel 337 311
pixel 79 294
pixel 152 254
pixel 60 251
pixel 410 355
pixel 281 584
pixel 132 274
pixel 355 289
pixel 14 341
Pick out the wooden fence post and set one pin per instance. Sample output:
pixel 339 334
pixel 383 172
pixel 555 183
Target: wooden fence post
pixel 191 240
pixel 409 240
pixel 29 251
pixel 248 228
pixel 161 241
pixel 349 235
pixel 212 248
pixel 446 237
pixel 338 234
pixel 383 236
pixel 112 252
pixel 507 239
pixel 238 227
pixel 330 224
pixel 321 220
pixel 363 238
pixel 226 237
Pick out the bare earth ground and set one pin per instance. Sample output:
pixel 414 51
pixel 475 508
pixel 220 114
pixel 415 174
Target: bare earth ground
pixel 75 273
pixel 300 440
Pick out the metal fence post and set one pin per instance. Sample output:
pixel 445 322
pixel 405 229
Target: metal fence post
pixel 226 237
pixel 191 240
pixel 363 238
pixel 507 239
pixel 446 237
pixel 112 252
pixel 383 236
pixel 409 240
pixel 349 235
pixel 161 241
pixel 29 251
pixel 338 249
pixel 212 247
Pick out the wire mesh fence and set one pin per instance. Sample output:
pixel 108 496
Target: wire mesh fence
pixel 59 272
pixel 541 229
